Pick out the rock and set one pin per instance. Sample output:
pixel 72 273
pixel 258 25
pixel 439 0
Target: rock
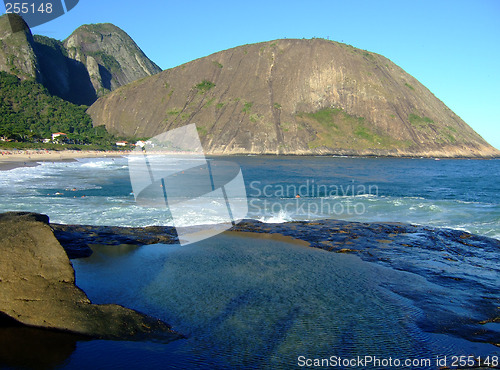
pixel 76 239
pixel 453 261
pixel 37 287
pixel 295 97
pixel 17 55
pixel 93 60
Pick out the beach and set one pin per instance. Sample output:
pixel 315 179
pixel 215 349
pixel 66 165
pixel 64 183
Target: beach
pixel 11 159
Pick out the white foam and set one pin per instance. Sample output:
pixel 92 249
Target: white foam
pixel 281 217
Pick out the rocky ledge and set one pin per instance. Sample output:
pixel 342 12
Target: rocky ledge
pixel 37 288
pixel 463 268
pixel 37 281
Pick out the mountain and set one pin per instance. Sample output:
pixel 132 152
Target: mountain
pixel 111 57
pixel 17 55
pixel 94 60
pixel 293 97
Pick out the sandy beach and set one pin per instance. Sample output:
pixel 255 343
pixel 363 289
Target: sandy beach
pixel 11 159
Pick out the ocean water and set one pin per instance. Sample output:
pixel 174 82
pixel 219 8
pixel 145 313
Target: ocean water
pixel 459 194
pixel 246 303
pixel 252 303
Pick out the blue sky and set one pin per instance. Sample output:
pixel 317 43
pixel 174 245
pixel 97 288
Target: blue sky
pixel 451 46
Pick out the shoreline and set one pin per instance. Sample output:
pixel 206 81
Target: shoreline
pixel 10 160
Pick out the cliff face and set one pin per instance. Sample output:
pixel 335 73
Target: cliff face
pixel 111 57
pixel 94 60
pixel 17 55
pixel 293 97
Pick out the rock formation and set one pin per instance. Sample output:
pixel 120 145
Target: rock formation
pixel 17 55
pixel 94 60
pixel 456 263
pixel 293 97
pixel 37 287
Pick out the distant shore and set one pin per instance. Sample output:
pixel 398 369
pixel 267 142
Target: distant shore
pixel 10 159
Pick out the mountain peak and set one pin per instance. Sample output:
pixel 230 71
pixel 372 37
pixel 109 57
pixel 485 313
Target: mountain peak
pixel 106 46
pixel 94 60
pixel 16 53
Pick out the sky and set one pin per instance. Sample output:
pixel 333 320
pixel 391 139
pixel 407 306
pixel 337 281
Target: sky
pixel 450 46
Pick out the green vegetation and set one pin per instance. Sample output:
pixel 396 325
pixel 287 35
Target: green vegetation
pixel 246 107
pixel 369 55
pixel 285 126
pixel 255 117
pixel 362 132
pixel 447 133
pixel 325 117
pixel 419 122
pixel 173 112
pixel 219 105
pixel 204 86
pixel 202 131
pixel 217 64
pixel 338 129
pixel 439 133
pixel 28 113
pixel 107 61
pixel 209 102
pixel 276 106
pixel 51 43
pixel 409 86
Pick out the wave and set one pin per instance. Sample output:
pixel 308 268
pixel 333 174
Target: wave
pixel 278 218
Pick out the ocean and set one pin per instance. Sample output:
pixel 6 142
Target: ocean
pixel 245 302
pixel 458 194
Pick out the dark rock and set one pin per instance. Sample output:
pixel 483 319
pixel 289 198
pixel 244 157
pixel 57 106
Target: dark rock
pixel 76 239
pixel 22 347
pixel 37 287
pixel 464 265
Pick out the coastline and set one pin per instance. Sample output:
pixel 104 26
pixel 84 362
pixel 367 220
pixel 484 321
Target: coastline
pixel 10 159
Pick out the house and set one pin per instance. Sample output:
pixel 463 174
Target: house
pixel 59 136
pixel 121 143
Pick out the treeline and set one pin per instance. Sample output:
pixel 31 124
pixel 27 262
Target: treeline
pixel 28 113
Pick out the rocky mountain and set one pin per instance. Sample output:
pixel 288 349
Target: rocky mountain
pixel 111 57
pixel 94 60
pixel 293 97
pixel 17 55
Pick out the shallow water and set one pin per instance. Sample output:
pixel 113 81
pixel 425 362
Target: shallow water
pixel 258 303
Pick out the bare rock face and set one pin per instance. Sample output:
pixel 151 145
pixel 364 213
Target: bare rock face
pixel 37 287
pixel 293 97
pixel 17 55
pixel 119 59
pixel 94 60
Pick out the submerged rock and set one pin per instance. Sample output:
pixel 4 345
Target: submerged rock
pixel 464 268
pixel 37 287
